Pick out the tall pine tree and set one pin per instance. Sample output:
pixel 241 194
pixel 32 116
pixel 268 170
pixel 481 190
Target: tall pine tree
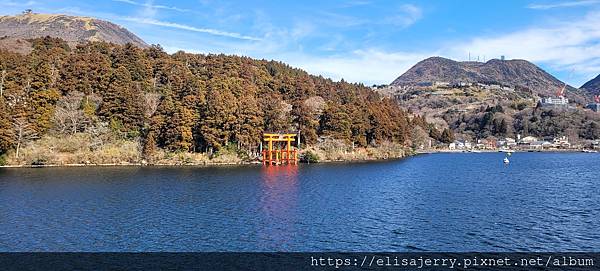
pixel 122 102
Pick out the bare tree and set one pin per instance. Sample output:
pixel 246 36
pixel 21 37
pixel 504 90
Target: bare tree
pixel 23 133
pixel 151 101
pixel 419 138
pixel 68 115
pixel 2 77
pixel 316 104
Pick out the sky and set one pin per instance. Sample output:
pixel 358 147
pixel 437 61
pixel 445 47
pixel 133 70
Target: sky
pixel 363 41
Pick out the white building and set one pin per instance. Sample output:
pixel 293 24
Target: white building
pixel 441 84
pixel 554 101
pixel 510 142
pixel 540 145
pixel 452 146
pixel 462 145
pixel 528 140
pixel 562 142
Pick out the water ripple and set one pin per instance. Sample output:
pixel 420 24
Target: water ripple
pixel 445 202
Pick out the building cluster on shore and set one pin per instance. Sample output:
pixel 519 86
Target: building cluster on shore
pixel 525 143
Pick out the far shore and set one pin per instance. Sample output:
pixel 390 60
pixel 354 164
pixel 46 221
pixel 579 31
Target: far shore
pixel 498 151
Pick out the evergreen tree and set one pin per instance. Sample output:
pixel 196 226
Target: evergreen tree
pixel 149 146
pixel 308 122
pixel 123 102
pixel 185 102
pixel 447 136
pixel 178 134
pixel 218 116
pixel 249 126
pixel 277 117
pixel 335 122
pixel 435 133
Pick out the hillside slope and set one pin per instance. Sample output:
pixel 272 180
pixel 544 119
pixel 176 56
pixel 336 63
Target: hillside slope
pixel 592 86
pixel 502 103
pixel 16 30
pixel 512 73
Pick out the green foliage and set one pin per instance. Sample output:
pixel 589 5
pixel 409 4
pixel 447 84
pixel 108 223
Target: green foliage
pixel 40 161
pixel 3 160
pixel 309 157
pixel 122 102
pixel 435 133
pixel 447 136
pixel 116 126
pixel 336 122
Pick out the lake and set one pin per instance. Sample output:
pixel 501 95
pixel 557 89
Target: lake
pixel 437 202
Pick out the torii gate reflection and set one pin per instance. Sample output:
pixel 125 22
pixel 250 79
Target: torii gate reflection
pixel 278 204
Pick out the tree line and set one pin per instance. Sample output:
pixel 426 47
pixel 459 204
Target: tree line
pixel 182 101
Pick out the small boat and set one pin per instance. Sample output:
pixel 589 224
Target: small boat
pixel 590 151
pixel 506 161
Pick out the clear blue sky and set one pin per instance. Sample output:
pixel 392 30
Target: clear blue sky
pixel 364 41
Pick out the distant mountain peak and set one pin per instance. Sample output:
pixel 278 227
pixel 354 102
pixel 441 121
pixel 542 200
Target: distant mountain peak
pixel 592 86
pixel 72 29
pixel 516 72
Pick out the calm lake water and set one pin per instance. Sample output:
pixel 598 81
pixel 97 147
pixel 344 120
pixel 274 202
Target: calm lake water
pixel 439 202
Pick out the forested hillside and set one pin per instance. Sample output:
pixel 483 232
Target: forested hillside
pixel 182 103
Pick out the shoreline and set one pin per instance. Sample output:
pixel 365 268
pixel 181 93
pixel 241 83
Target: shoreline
pixel 258 163
pixel 200 165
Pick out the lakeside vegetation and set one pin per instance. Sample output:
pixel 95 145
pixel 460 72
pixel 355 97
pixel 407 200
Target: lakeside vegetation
pixel 101 103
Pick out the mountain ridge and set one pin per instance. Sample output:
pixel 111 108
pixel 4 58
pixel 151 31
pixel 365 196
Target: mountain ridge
pixel 513 73
pixel 16 30
pixel 592 86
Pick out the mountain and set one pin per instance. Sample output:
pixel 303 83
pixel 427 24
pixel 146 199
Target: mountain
pixel 512 73
pixel 15 31
pixel 593 85
pixel 503 104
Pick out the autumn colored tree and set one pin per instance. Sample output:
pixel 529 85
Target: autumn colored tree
pixel 179 130
pixel 150 146
pixel 184 102
pixel 123 102
pixel 218 116
pixel 85 71
pixel 308 122
pixel 277 113
pixel 248 128
pixel 6 130
pixel 336 122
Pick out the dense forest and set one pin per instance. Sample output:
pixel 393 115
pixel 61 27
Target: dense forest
pixel 181 102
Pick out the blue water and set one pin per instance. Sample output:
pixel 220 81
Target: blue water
pixel 439 202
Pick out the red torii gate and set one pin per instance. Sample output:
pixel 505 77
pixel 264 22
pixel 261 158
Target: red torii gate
pixel 278 156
